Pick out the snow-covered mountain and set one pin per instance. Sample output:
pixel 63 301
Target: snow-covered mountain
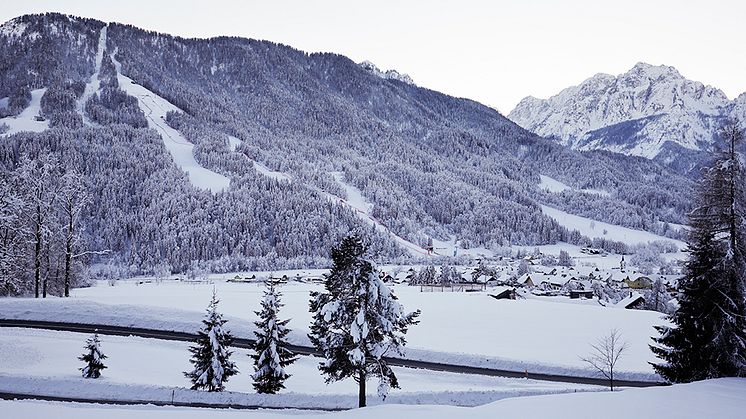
pixel 649 111
pixel 245 153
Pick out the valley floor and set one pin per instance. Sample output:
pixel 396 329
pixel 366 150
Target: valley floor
pixel 538 335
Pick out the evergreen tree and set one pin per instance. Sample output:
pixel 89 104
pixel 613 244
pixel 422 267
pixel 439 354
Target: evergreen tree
pixel 708 339
pixel 210 354
pixel 93 358
pixel 446 275
pixel 564 259
pixel 426 276
pixel 271 353
pixel 411 276
pixel 357 321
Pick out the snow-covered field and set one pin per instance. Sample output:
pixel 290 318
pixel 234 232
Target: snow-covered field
pixel 25 121
pixel 553 185
pixel 597 229
pixel 461 328
pixel 33 357
pixel 720 399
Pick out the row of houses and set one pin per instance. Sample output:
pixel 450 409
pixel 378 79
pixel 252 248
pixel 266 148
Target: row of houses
pixel 557 278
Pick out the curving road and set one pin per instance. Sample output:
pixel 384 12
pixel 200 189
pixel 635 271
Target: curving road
pixel 306 350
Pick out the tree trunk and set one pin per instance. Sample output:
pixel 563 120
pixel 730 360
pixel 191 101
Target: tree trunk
pixel 37 253
pixel 68 254
pixel 361 393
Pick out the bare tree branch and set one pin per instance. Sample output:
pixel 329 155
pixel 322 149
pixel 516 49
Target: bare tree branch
pixel 605 355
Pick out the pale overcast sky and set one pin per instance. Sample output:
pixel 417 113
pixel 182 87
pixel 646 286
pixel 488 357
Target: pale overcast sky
pixel 495 52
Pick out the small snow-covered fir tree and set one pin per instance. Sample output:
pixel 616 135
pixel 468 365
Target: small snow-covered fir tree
pixel 358 321
pixel 210 354
pixel 93 358
pixel 271 354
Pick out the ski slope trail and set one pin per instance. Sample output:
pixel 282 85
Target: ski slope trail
pixel 182 150
pixel 233 143
pixel 355 199
pixel 26 120
pixel 363 208
pixel 94 84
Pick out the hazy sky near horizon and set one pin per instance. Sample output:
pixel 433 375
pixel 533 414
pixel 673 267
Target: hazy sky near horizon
pixel 495 52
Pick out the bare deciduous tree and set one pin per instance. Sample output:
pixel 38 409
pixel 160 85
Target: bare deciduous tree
pixel 39 182
pixel 605 355
pixel 73 199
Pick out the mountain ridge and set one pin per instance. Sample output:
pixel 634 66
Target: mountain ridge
pixel 636 113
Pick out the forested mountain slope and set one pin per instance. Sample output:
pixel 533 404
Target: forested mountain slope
pixel 431 164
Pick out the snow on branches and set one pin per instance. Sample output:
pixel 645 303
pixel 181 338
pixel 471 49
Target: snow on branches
pixel 93 357
pixel 358 320
pixel 271 355
pixel 210 354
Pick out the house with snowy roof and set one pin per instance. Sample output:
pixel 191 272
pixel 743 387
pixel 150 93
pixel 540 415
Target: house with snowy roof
pixel 635 300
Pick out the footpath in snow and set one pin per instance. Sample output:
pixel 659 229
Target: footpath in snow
pixel 233 143
pixel 363 208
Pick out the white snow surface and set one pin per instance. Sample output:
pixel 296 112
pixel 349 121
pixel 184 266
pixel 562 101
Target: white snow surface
pixel 37 361
pixel 25 121
pixel 719 398
pixel 233 142
pixel 458 328
pixel 553 185
pixel 155 108
pixel 598 229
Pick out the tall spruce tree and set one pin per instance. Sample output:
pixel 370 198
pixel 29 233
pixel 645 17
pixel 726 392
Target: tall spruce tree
pixel 708 338
pixel 210 354
pixel 93 358
pixel 271 354
pixel 357 321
